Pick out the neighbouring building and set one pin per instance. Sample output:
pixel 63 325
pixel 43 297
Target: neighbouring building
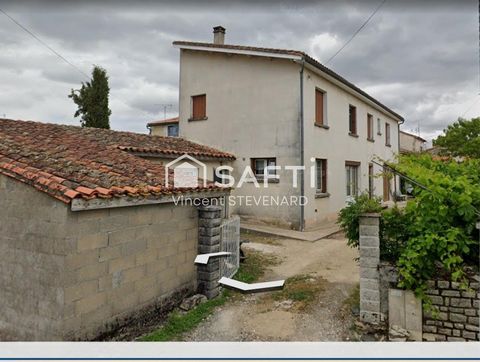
pixel 166 127
pixel 89 234
pixel 411 143
pixel 276 107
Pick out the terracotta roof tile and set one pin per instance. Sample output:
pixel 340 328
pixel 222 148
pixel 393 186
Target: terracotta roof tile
pixel 163 121
pixel 69 162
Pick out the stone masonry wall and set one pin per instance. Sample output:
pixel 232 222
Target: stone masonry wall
pixel 457 318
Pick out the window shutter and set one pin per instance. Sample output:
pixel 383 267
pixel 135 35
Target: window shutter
pixel 318 107
pixel 199 108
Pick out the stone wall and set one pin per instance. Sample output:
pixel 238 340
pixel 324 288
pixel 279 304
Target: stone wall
pixel 458 309
pixel 74 275
pixel 457 318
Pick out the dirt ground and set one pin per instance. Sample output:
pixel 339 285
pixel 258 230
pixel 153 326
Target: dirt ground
pixel 328 265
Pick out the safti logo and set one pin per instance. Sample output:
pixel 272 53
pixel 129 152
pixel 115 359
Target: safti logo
pixel 186 170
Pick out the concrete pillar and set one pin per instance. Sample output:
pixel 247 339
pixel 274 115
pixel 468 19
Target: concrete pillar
pixel 370 311
pixel 209 221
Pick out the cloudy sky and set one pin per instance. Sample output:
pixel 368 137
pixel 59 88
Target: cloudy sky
pixel 422 61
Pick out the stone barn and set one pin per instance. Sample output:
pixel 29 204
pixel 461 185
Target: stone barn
pixel 90 237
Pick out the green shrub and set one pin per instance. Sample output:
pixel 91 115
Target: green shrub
pixel 349 216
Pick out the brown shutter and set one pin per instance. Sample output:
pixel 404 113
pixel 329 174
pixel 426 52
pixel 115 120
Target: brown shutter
pixel 199 107
pixel 318 107
pixel 324 176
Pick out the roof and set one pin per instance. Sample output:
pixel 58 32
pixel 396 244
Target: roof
pixel 286 53
pixel 414 135
pixel 163 122
pixel 69 162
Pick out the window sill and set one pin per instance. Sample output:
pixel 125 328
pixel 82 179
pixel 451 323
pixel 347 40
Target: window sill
pixel 322 195
pixel 197 119
pixel 370 140
pixel 324 126
pixel 353 134
pixel 261 180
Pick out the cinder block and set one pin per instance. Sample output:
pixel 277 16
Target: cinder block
pixel 122 263
pixel 90 303
pixel 92 241
pixel 146 256
pixel 461 302
pixel 371 295
pixel 133 247
pixel 80 290
pixel 369 230
pixel 369 252
pixel 93 271
pixel 369 241
pixel 369 273
pixel 75 261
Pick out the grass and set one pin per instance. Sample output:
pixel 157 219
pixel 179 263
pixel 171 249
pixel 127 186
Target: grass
pixel 254 266
pixel 301 289
pixel 177 323
pixel 353 299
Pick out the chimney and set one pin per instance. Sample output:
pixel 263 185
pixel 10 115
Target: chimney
pixel 219 35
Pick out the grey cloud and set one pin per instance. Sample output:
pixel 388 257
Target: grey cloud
pixel 421 60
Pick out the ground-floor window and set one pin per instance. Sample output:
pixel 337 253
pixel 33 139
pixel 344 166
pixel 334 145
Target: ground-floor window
pixel 321 175
pixel 370 179
pixel 352 170
pixel 218 178
pixel 259 165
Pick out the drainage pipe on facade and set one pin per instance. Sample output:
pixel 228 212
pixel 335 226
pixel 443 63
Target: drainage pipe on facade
pixel 302 152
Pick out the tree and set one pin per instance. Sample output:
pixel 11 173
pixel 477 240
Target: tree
pixel 461 138
pixel 92 100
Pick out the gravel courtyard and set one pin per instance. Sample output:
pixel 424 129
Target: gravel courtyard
pixel 326 268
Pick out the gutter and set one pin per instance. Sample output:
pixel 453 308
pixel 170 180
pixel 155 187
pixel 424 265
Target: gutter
pixel 302 151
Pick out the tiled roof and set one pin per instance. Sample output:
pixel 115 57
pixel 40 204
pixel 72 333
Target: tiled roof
pixel 297 53
pixel 70 162
pixel 163 121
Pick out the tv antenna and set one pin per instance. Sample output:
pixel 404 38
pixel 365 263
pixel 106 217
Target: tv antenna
pixel 165 107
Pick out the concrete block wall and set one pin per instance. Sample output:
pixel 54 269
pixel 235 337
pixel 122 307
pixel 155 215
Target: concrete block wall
pixel 33 245
pixel 209 219
pixel 370 309
pixel 75 275
pixel 126 260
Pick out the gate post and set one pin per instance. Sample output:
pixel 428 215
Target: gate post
pixel 369 240
pixel 209 221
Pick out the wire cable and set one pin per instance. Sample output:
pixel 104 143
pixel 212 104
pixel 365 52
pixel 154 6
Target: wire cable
pixel 356 32
pixel 45 44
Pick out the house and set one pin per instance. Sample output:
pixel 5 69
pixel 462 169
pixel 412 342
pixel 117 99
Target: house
pixel 283 109
pixel 411 143
pixel 166 127
pixel 90 237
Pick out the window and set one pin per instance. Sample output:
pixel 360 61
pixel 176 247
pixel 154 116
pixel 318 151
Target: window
pixel 379 127
pixel 352 117
pixel 259 165
pixel 320 118
pixel 386 185
pixel 387 134
pixel 351 168
pixel 172 130
pixel 217 178
pixel 370 180
pixel 199 107
pixel 369 127
pixel 321 176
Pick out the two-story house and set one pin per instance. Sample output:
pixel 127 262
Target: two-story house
pixel 275 107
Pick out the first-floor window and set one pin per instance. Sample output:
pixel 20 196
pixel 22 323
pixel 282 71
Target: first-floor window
pixel 259 165
pixel 172 130
pixel 217 176
pixel 321 175
pixel 351 169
